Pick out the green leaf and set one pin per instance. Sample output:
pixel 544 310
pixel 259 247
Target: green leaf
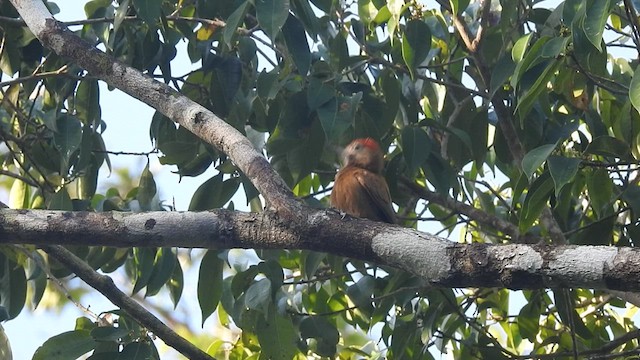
pixel 19 195
pixel 312 261
pixel 531 95
pixel 337 115
pixel 68 345
pixel 595 20
pixel 565 300
pixel 319 93
pixel 107 333
pixel 148 10
pixel 143 260
pixel 367 11
pixel 233 22
pixel 529 320
pixel 361 293
pixel 91 7
pixel 323 331
pixel 297 44
pixel 176 284
pixel 501 73
pixel 609 146
pixel 554 47
pixel 416 43
pixel 634 89
pixel 520 47
pixel 13 286
pixel 459 6
pixel 277 336
pixel 600 188
pixel 60 201
pixel 272 14
pixel 563 170
pixel 38 286
pixel 163 268
pixel 573 10
pixel 214 193
pixel 632 196
pixel 535 158
pixel 87 102
pixel 146 189
pixel 416 146
pixel 142 350
pixel 531 58
pixel 210 283
pixel 383 15
pixel 11 55
pixel 273 271
pixel 68 137
pixel 535 201
pixel 258 295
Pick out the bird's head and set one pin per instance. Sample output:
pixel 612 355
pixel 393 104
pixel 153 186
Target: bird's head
pixel 364 153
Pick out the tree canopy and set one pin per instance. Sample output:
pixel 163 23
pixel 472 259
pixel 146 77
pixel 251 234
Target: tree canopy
pixel 513 122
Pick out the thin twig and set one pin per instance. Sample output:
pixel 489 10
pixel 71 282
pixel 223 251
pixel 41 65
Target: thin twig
pixel 155 151
pixel 38 76
pixel 57 283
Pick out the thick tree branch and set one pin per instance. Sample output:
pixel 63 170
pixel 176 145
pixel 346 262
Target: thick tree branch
pixel 105 285
pixel 436 260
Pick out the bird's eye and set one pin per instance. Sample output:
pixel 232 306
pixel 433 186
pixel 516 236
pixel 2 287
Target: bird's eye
pixel 357 147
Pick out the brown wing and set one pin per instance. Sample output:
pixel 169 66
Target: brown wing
pixel 362 193
pixel 376 187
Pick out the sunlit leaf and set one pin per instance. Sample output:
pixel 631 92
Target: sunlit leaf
pixel 19 195
pixel 595 20
pixel 519 48
pixel 634 89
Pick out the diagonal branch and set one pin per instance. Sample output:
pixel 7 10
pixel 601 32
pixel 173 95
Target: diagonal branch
pixel 104 284
pixel 189 114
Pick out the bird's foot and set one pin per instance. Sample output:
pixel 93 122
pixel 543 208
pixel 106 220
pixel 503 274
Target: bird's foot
pixel 342 213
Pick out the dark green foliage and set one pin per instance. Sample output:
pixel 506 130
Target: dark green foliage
pixel 538 117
